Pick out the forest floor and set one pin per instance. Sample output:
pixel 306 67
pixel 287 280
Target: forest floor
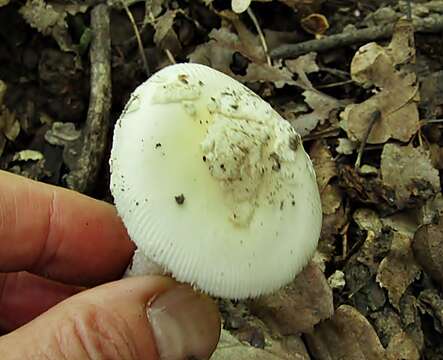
pixel 361 81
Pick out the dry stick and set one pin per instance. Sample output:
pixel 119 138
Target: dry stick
pixel 84 174
pixel 260 35
pixel 430 24
pixel 376 115
pixel 430 121
pixel 139 39
pixel 170 56
pixel 409 10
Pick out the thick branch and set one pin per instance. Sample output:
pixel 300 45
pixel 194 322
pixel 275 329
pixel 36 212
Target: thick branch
pixel 83 176
pixel 431 24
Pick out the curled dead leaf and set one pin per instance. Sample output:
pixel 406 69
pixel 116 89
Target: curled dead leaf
pixel 315 24
pixel 402 347
pixel 321 104
pixel 408 171
pixel 347 335
pixel 165 36
pixel 428 249
pixel 229 347
pixel 374 65
pixel 298 306
pixel 50 19
pixel 431 302
pixel 398 269
pixel 324 163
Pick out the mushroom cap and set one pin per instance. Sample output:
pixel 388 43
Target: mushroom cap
pixel 213 185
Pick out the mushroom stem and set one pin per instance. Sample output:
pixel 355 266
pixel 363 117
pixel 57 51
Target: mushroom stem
pixel 143 265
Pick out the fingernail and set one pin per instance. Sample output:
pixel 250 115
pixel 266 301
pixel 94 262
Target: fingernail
pixel 186 325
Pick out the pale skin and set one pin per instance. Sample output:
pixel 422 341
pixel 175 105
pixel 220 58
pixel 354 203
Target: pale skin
pixel 56 247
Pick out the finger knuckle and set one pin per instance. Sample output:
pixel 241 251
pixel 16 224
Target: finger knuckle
pixel 95 333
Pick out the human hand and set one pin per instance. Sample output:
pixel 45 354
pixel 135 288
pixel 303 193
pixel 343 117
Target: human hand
pixel 50 237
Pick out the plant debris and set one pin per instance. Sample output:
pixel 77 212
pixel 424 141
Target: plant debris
pixel 388 69
pixel 360 81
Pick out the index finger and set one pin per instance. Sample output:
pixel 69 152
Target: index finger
pixel 59 233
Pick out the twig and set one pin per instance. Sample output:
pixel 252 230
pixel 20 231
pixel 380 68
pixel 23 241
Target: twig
pixel 260 35
pixel 327 133
pixel 430 24
pixel 338 83
pixel 138 37
pixel 376 115
pixel 336 72
pixel 425 122
pixel 170 56
pixel 85 170
pixel 409 10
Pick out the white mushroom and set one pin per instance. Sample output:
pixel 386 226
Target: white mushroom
pixel 213 186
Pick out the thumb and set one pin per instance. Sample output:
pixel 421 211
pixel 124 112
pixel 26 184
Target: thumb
pixel 135 318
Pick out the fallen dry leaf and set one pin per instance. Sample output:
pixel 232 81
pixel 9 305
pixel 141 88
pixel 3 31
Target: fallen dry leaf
pixel 335 217
pixel 408 171
pixel 436 153
pixel 374 65
pixel 347 335
pixel 276 74
pixel 28 155
pixel 337 280
pixel 215 53
pixel 368 220
pixel 324 163
pixel 302 66
pixel 387 323
pixel 9 124
pixel 431 94
pixel 412 321
pixel 251 42
pixel 315 24
pixel 239 6
pixel 428 249
pixel 345 146
pixel 165 36
pixel 229 347
pixel 431 302
pixel 253 332
pixel 298 306
pixel 402 347
pixel 331 199
pixel 373 245
pixel 365 189
pixel 275 38
pixel 50 19
pixel 398 269
pixel 303 6
pixel 218 53
pixel 320 103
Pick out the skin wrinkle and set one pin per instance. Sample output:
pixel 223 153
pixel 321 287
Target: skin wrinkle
pixel 100 334
pixel 47 232
pixel 62 349
pixel 49 242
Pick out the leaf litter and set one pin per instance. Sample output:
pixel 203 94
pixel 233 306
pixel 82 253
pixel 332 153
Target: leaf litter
pixel 373 289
